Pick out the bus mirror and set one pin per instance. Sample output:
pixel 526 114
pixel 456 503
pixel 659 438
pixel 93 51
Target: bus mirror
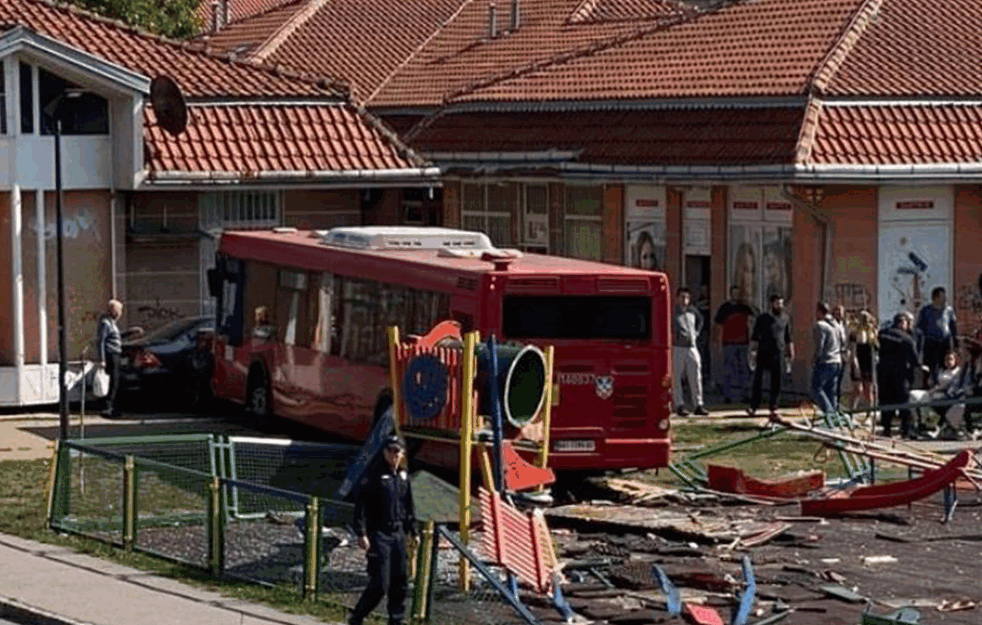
pixel 521 381
pixel 214 282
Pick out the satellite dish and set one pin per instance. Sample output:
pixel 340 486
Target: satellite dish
pixel 169 105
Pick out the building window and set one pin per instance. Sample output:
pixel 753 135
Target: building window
pixel 489 208
pixel 759 244
pixel 239 210
pixel 584 222
pixel 86 115
pixel 26 99
pixel 535 223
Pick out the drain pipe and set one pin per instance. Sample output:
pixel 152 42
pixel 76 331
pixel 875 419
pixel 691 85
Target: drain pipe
pixel 814 212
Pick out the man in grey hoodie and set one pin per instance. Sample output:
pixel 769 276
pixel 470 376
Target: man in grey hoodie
pixel 828 360
pixel 686 363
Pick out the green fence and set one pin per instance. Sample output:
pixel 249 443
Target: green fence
pixel 134 493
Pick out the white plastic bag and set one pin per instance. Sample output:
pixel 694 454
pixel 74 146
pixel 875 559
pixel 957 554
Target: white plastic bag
pixel 100 382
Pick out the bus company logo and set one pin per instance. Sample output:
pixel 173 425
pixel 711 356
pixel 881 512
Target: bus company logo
pixel 605 386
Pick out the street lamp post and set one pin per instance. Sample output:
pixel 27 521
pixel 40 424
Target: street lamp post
pixel 54 110
pixel 60 264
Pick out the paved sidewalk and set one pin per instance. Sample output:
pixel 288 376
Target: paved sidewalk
pixel 66 587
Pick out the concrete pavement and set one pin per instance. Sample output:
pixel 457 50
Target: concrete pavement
pixel 64 587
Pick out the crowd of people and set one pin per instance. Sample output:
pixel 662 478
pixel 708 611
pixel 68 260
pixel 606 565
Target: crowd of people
pixel 907 369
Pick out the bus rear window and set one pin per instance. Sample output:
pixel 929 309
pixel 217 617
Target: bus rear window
pixel 577 317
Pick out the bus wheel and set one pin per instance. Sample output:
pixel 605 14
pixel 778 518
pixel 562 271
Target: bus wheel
pixel 258 400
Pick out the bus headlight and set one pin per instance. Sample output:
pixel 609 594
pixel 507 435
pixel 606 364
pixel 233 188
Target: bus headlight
pixel 663 424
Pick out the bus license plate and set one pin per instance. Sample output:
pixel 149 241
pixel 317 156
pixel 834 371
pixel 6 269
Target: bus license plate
pixel 575 445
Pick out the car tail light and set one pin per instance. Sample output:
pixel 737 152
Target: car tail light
pixel 146 360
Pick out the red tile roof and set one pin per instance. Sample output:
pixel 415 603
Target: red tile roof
pixel 898 135
pixel 915 47
pixel 736 136
pixel 244 140
pixel 245 37
pixel 623 10
pixel 198 73
pixel 749 48
pixel 239 9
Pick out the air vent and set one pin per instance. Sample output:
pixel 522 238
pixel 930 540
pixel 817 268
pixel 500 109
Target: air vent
pixel 405 238
pixel 622 285
pixel 533 285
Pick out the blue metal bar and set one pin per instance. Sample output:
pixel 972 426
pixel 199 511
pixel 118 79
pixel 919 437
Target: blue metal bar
pixel 749 594
pixel 672 598
pixel 496 425
pixel 559 600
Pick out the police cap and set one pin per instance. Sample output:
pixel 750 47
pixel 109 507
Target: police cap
pixel 395 441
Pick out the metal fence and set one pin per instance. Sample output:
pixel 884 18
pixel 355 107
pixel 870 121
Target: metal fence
pixel 274 536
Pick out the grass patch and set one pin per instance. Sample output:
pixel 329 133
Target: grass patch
pixel 768 458
pixel 23 491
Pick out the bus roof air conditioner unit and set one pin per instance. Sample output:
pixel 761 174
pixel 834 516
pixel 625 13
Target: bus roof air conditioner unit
pixel 408 238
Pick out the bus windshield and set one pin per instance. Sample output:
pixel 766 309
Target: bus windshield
pixel 577 317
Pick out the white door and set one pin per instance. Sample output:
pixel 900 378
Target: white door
pixel 914 257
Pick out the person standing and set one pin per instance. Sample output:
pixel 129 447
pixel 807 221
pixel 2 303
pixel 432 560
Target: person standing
pixel 734 318
pixel 839 321
pixel 937 331
pixel 827 361
pixel 895 372
pixel 864 353
pixel 686 363
pixel 384 517
pixel 771 351
pixel 109 348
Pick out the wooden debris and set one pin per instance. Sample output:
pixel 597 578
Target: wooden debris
pixel 637 493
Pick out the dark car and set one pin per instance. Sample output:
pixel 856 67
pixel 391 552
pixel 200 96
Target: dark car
pixel 172 361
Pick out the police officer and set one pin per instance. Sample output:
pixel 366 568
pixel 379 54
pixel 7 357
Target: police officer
pixel 384 516
pixel 895 372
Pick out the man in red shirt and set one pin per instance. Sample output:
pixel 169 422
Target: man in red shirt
pixel 735 317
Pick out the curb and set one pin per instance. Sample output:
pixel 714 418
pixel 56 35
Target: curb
pixel 29 615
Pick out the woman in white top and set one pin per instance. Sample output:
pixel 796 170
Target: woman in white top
pixel 948 379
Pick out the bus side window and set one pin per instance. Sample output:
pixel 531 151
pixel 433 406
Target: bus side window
pixel 324 310
pixel 292 289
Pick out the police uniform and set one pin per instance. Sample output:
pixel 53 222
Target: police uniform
pixel 384 513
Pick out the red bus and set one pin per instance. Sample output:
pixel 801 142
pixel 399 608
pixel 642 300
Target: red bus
pixel 302 317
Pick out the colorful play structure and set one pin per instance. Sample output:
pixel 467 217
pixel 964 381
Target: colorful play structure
pixel 487 403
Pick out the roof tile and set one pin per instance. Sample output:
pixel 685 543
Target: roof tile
pixel 899 135
pixel 200 74
pixel 274 146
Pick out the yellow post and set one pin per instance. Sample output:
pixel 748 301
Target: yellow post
pixel 467 409
pixel 393 333
pixel 547 409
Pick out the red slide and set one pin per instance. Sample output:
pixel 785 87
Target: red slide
pixel 889 495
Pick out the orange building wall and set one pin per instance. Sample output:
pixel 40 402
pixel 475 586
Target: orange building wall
pixel 613 224
pixel 853 267
pixel 967 297
pixel 673 237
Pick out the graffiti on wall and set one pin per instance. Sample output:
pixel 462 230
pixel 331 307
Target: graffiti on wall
pixel 912 263
pixel 968 306
pixel 853 295
pixel 157 313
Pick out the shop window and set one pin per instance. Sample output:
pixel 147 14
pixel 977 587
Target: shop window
pixel 88 114
pixel 584 222
pixel 759 245
pixel 535 222
pixel 239 210
pixel 26 99
pixel 489 208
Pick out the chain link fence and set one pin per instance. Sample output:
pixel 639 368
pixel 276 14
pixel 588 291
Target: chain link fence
pixel 153 496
